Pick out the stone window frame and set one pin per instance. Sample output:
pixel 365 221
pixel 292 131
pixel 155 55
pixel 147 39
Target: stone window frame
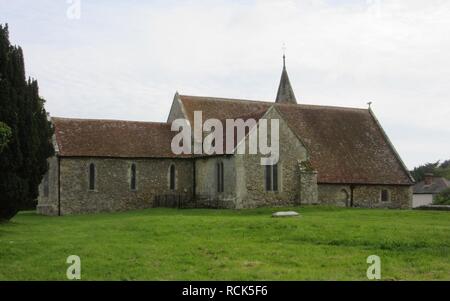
pixel 220 181
pixel 278 176
pixel 89 177
pixel 388 195
pixel 169 177
pixel 135 188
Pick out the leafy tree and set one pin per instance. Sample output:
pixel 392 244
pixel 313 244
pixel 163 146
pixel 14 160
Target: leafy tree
pixel 445 164
pixel 443 198
pixel 419 172
pixel 437 168
pixel 23 161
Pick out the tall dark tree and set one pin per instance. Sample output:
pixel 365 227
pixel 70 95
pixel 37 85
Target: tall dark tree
pixel 5 135
pixel 23 160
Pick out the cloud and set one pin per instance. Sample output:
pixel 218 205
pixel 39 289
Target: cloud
pixel 125 60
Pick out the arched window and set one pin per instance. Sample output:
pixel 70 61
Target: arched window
pixel 219 170
pixel 271 177
pixel 133 177
pixel 344 198
pixel 172 177
pixel 344 195
pixel 92 176
pixel 385 197
pixel 275 177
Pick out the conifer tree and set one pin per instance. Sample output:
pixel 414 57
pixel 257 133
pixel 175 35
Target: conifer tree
pixel 23 159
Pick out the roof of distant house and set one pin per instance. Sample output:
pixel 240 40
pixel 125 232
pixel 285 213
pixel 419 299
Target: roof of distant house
pixel 437 185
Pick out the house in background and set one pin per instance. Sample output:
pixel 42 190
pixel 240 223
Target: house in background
pixel 425 191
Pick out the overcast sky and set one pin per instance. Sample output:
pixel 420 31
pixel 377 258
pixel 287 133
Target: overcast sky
pixel 126 59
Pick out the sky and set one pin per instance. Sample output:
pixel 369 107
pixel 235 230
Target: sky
pixel 125 60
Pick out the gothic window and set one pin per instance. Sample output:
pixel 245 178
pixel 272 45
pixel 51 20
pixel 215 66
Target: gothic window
pixel 271 177
pixel 268 177
pixel 92 176
pixel 384 195
pixel 275 177
pixel 219 169
pixel 172 177
pixel 133 177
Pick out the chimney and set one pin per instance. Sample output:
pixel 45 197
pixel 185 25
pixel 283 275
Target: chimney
pixel 429 178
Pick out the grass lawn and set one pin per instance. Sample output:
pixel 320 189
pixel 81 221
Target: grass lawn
pixel 169 244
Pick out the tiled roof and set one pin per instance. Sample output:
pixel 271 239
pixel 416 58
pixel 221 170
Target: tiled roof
pixel 346 145
pixel 438 184
pixel 221 108
pixel 256 116
pixel 112 138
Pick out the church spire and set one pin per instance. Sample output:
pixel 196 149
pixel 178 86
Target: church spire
pixel 285 93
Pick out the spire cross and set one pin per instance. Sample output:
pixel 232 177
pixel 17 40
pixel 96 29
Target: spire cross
pixel 284 54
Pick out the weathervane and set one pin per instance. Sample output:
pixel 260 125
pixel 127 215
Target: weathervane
pixel 284 54
pixel 370 104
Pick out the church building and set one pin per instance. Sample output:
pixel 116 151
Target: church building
pixel 327 155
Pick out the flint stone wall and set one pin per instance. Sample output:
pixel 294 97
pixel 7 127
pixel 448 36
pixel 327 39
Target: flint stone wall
pixel 250 174
pixel 48 203
pixel 112 184
pixel 366 196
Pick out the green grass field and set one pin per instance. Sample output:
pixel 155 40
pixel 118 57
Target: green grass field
pixel 169 244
